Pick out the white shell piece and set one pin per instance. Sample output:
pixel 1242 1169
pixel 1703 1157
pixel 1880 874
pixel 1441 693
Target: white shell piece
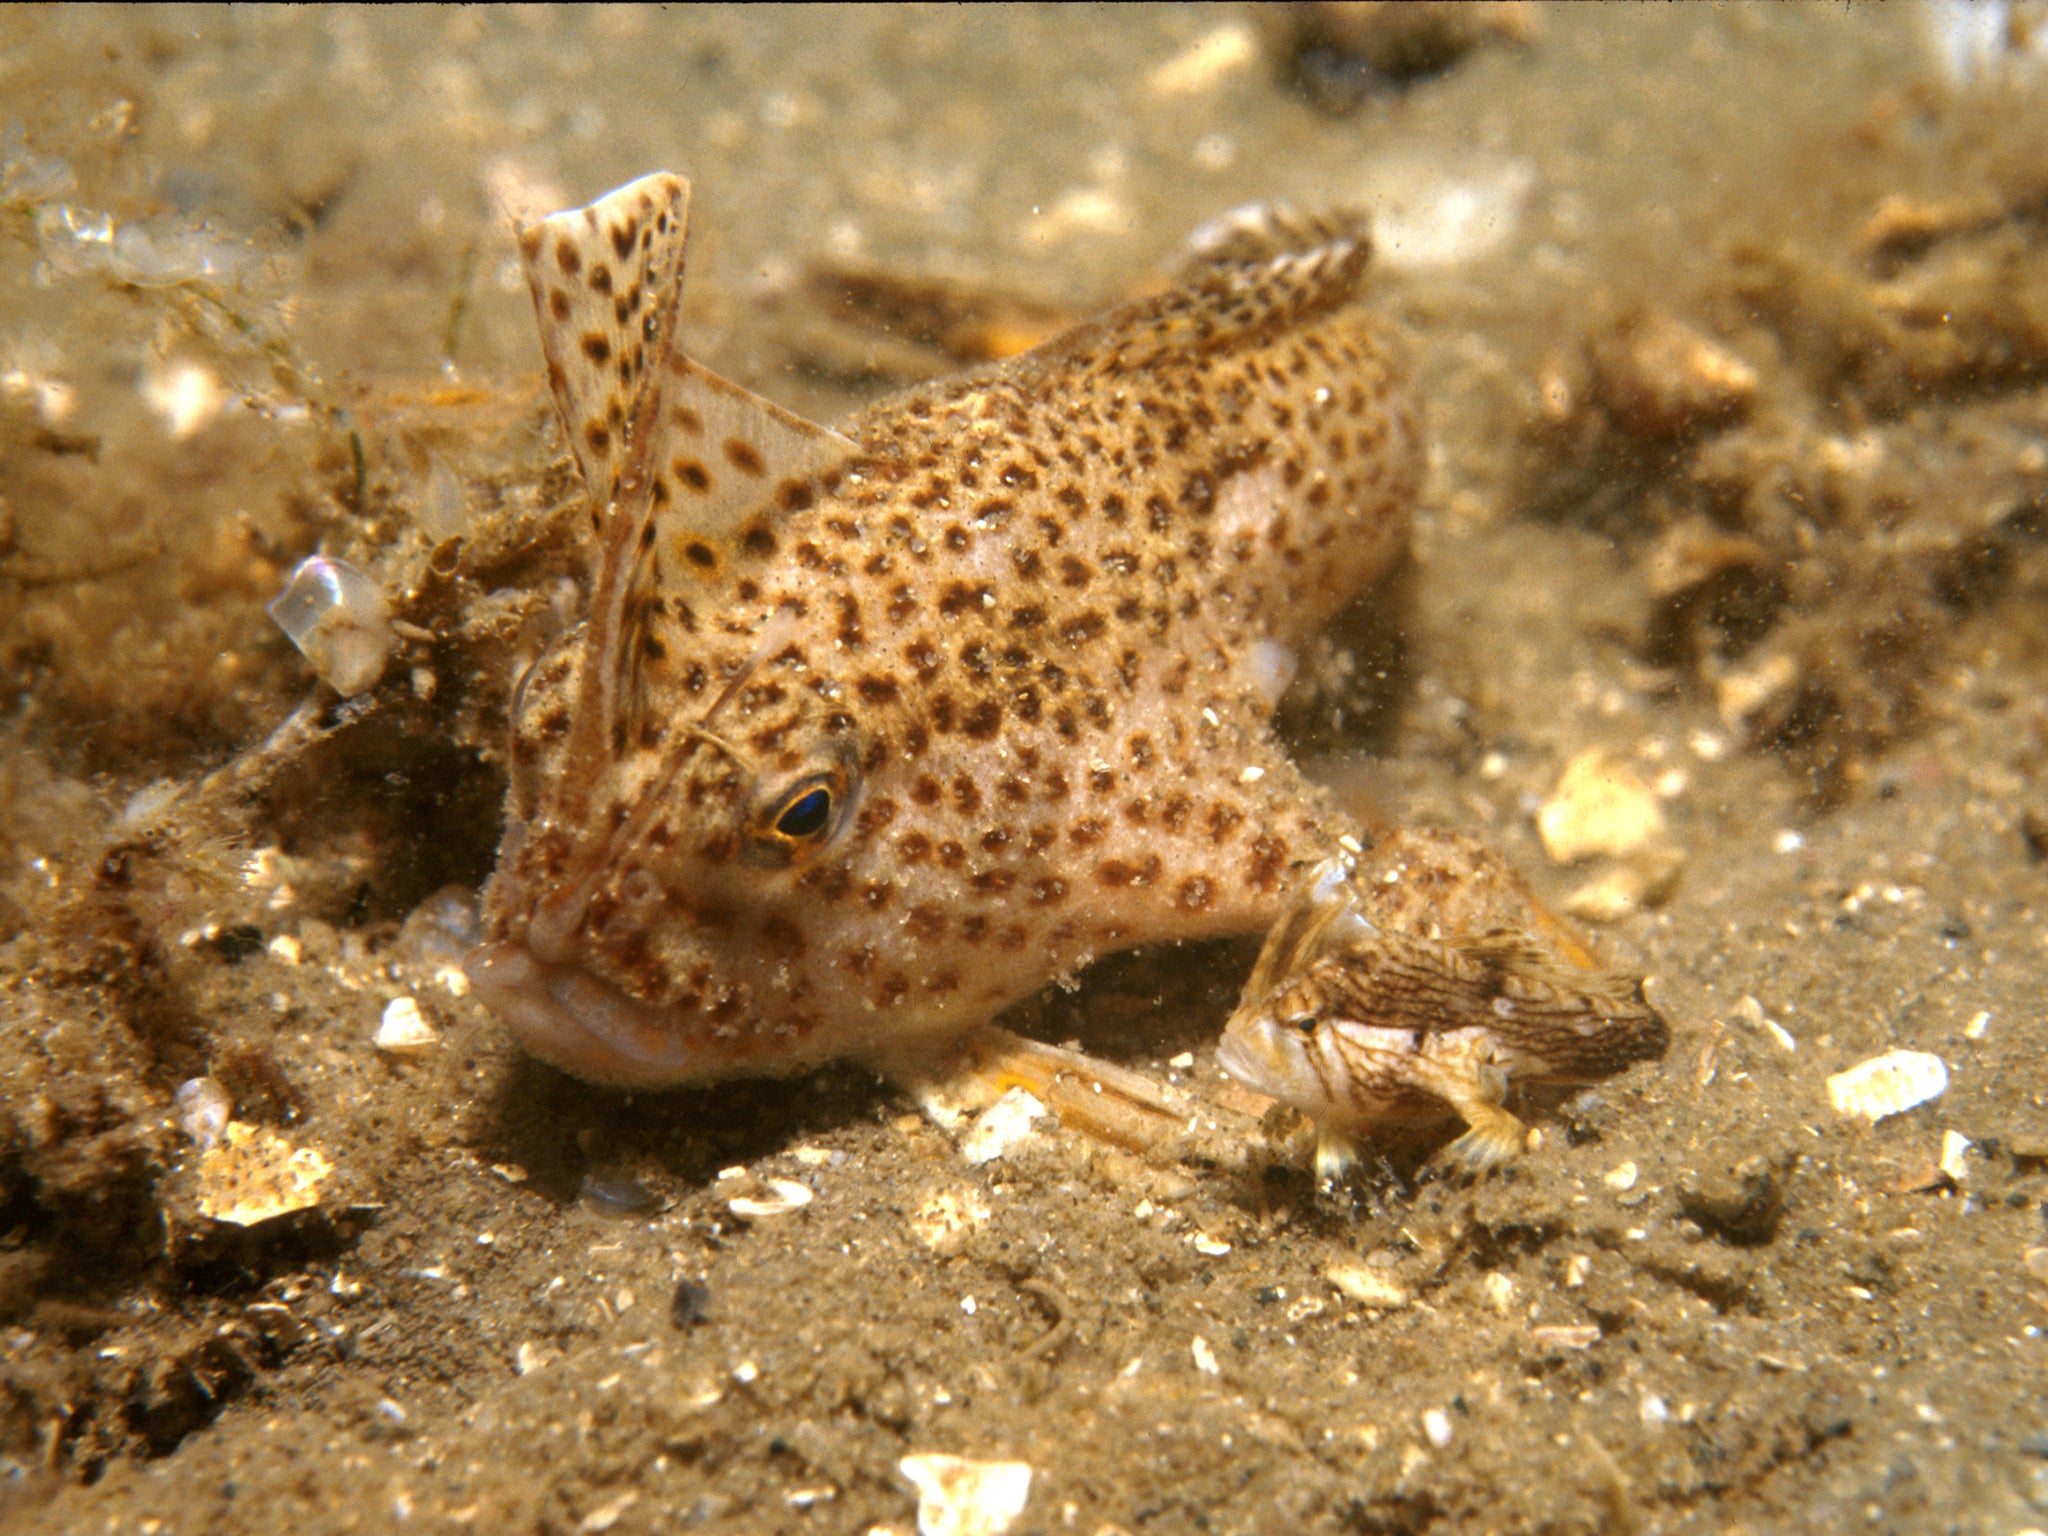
pixel 779 1198
pixel 404 1029
pixel 1000 1127
pixel 336 615
pixel 1600 808
pixel 1955 1147
pixel 1367 1286
pixel 1888 1085
pixel 958 1497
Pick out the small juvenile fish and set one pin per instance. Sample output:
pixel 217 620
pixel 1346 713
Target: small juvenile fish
pixel 1392 995
pixel 870 732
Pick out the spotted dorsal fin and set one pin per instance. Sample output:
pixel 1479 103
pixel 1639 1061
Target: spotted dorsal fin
pixel 606 279
pixel 725 468
pixel 690 477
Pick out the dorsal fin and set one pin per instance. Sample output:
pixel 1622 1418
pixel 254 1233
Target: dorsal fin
pixel 690 476
pixel 606 279
pixel 1259 232
pixel 725 468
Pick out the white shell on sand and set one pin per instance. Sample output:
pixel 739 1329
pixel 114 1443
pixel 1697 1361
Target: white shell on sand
pixel 1888 1085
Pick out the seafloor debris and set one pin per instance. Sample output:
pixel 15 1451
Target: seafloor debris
pixel 1000 1127
pixel 1809 547
pixel 1367 1286
pixel 203 1109
pixel 1658 378
pixel 1338 52
pixel 764 1199
pixel 336 614
pixel 1888 1085
pixel 403 1030
pixel 254 1175
pixel 959 1497
pixel 1600 808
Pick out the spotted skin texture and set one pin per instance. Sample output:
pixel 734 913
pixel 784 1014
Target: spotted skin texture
pixel 870 733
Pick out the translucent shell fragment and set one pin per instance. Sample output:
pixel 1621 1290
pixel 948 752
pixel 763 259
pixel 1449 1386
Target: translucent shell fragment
pixel 337 616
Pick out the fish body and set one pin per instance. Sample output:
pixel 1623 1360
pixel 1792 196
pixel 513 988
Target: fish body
pixel 1418 984
pixel 870 732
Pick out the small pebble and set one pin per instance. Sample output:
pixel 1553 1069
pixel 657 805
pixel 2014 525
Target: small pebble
pixel 1955 1147
pixel 1366 1286
pixel 1436 1427
pixel 1599 808
pixel 687 1307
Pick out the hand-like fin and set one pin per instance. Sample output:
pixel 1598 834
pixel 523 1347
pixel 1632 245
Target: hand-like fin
pixel 606 279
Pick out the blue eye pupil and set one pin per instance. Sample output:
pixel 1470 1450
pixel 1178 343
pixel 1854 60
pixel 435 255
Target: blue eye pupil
pixel 806 815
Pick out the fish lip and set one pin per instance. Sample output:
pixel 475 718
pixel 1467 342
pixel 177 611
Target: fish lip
pixel 572 1020
pixel 1246 1053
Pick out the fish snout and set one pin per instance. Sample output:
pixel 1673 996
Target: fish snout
pixel 578 1022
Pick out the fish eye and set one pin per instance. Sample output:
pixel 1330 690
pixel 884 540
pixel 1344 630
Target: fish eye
pixel 1303 1022
pixel 798 817
pixel 807 813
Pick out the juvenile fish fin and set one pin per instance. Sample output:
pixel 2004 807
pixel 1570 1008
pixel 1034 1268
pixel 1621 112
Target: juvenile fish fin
pixel 1258 232
pixel 606 279
pixel 1493 1135
pixel 1302 935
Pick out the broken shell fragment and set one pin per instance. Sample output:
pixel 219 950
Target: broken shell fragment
pixel 1888 1085
pixel 403 1031
pixel 254 1174
pixel 1600 807
pixel 775 1197
pixel 1367 1287
pixel 336 614
pixel 1001 1126
pixel 958 1497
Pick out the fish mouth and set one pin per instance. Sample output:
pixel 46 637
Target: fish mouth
pixel 1258 1055
pixel 572 1020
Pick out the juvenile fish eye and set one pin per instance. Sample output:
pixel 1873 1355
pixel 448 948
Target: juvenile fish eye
pixel 806 815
